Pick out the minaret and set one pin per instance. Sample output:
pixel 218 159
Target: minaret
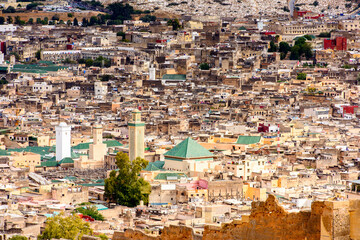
pixel 97 150
pixel 97 134
pixel 152 72
pixel 136 138
pixel 63 141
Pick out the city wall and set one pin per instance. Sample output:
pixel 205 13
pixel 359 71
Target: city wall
pixel 338 220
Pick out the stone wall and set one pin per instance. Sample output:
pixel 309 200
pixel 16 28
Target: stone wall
pixel 337 220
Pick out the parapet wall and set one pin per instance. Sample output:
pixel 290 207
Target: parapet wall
pixel 338 220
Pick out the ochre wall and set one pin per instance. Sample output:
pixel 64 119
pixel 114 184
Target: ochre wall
pixel 337 220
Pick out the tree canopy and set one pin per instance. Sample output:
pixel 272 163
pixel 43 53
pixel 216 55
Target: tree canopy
pixel 91 211
pixel 148 18
pixel 301 76
pixel 70 227
pixel 204 66
pixel 124 186
pixel 273 47
pixel 301 48
pixel 18 237
pixel 120 11
pixel 174 23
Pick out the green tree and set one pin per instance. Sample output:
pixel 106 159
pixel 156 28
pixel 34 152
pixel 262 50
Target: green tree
pixel 38 21
pixel 300 41
pixel 93 21
pixel 31 21
pixel 284 47
pixel 71 227
pixel 301 48
pixel 124 186
pixel 307 50
pixel 106 77
pixel 68 22
pixel 3 81
pixel 315 3
pixel 148 18
pixel 2 20
pixel 308 37
pixel 174 23
pixel 301 76
pixel 38 54
pixel 9 20
pixel 45 21
pixel 19 21
pixel 76 23
pixel 204 66
pixel 282 56
pixel 273 47
pixel 56 17
pixel 120 34
pixel 92 212
pixel 119 11
pixel 85 22
pixel 324 35
pixel 18 237
pixel 103 237
pixel 70 15
pixel 32 6
pixel 89 62
pixel 102 62
pixel 10 9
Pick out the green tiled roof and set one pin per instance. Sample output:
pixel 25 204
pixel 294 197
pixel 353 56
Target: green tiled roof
pixel 34 68
pixel 188 149
pixel 164 176
pixel 75 155
pixel 248 140
pixel 174 77
pixel 4 153
pixel 81 146
pixel 38 150
pixel 66 160
pixel 49 164
pixel 154 166
pixel 70 178
pixel 112 143
pixel 109 143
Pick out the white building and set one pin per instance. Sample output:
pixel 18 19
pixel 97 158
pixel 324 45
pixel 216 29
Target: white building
pixel 63 141
pixel 317 112
pixel 100 89
pixel 244 168
pixel 8 28
pixel 41 87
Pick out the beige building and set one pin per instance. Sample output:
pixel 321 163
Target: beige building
pixel 26 160
pixel 97 152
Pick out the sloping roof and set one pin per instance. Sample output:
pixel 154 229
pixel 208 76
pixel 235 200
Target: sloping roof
pixel 178 77
pixel 188 149
pixel 42 151
pixel 151 167
pixel 248 140
pixel 109 143
pixel 49 164
pixel 165 176
pixel 35 68
pixel 4 153
pixel 112 143
pixel 81 146
pixel 66 160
